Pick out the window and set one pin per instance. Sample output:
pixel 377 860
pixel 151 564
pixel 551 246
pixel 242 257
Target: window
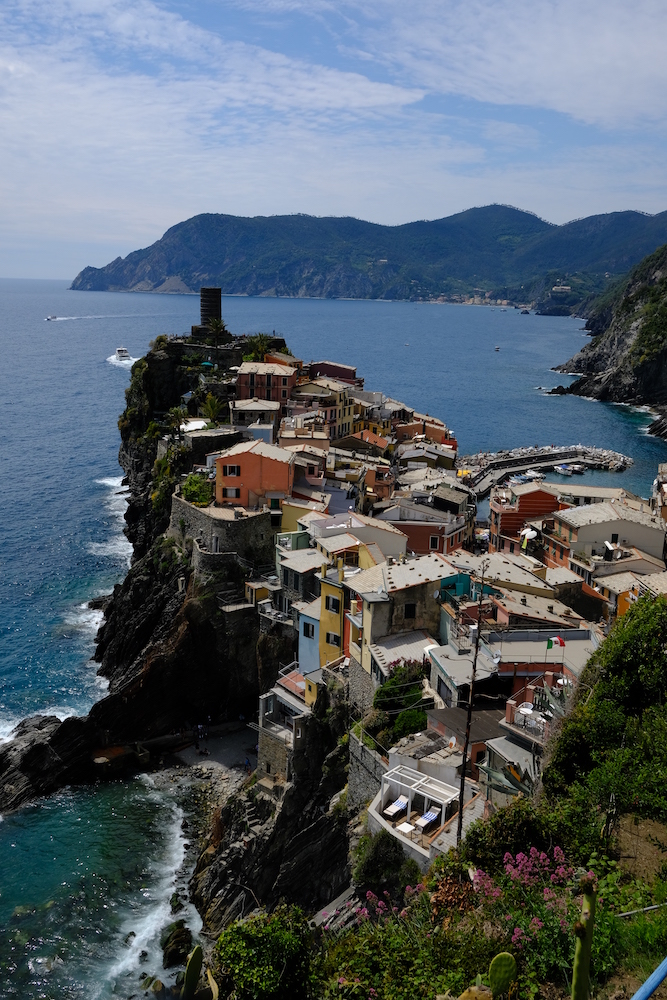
pixel 614 539
pixel 562 550
pixel 268 381
pixel 332 604
pixel 284 393
pixel 311 470
pixel 512 547
pixel 251 380
pixel 231 494
pixel 332 414
pixel 410 611
pixel 309 630
pixel 274 503
pixel 433 542
pixel 268 394
pixel 284 383
pixel 285 577
pixel 231 470
pixel 333 639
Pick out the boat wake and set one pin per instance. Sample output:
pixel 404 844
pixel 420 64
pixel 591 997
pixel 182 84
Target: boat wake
pixel 127 363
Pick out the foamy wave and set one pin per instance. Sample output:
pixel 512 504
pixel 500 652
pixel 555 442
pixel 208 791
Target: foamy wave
pixel 116 548
pixel 148 926
pixel 84 617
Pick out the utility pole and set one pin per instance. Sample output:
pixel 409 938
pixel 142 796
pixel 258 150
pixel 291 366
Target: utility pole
pixel 459 828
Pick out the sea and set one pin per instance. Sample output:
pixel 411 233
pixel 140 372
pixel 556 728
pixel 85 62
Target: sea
pixel 86 875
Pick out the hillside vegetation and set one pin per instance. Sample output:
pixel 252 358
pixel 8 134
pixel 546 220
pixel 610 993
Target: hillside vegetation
pixel 515 883
pixel 498 249
pixel 627 360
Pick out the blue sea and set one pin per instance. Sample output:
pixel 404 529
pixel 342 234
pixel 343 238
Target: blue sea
pixel 85 877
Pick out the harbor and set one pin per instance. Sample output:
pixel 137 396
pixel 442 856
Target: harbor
pixel 485 470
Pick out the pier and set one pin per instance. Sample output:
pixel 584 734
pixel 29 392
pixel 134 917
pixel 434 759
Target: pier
pixel 487 469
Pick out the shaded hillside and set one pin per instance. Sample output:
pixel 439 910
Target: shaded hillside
pixel 627 361
pixel 299 255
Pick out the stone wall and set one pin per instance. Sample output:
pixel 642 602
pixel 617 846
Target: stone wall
pixel 273 756
pixel 251 537
pixel 365 775
pixel 362 687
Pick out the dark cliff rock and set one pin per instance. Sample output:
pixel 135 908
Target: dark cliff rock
pixel 293 850
pixel 627 362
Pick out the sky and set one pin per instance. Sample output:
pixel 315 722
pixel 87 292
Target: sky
pixel 120 118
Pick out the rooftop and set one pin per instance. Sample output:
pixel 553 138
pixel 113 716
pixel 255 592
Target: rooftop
pixel 254 404
pixel 618 583
pixel 309 610
pixel 293 682
pixel 402 646
pixel 501 569
pixel 558 575
pixel 337 543
pixel 540 609
pixel 601 513
pixel 302 561
pixel 483 724
pixel 262 368
pixel 429 568
pixel 257 448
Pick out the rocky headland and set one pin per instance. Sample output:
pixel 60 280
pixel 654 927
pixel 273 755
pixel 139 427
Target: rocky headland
pixel 626 361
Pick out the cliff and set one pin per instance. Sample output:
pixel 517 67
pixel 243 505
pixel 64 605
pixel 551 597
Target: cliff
pixel 289 845
pixel 626 362
pixel 171 653
pixel 492 248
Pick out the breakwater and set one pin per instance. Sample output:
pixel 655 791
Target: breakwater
pixel 487 469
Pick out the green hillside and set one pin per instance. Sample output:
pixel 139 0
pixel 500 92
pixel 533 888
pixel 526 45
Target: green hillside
pixel 480 250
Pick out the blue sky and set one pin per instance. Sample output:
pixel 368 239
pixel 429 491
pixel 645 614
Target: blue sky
pixel 120 118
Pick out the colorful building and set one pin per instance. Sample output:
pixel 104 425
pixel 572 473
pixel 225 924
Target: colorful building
pixel 266 381
pixel 253 473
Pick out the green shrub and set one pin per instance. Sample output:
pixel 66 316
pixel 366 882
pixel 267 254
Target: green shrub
pixel 197 490
pixel 267 957
pixel 413 720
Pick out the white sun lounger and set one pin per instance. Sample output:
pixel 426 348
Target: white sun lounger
pixel 397 807
pixel 427 819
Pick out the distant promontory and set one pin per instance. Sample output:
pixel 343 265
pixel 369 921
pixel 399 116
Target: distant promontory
pixel 491 253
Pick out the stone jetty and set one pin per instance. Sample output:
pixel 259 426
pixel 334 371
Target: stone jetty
pixel 486 469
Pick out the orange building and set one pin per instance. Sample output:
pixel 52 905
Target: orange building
pixel 511 507
pixel 253 473
pixel 266 381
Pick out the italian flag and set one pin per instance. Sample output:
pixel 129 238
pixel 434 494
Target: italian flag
pixel 555 641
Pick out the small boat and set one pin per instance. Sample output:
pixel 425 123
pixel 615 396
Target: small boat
pixel 563 470
pixel 497 348
pixel 525 312
pixel 50 318
pixel 578 469
pixel 122 354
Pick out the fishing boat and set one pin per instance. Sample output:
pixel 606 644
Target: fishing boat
pixel 122 354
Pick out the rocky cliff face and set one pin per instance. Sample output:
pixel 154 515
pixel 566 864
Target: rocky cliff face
pixel 171 653
pixel 627 361
pixel 293 849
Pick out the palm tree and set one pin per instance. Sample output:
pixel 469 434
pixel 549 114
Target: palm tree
pixel 259 345
pixel 175 418
pixel 217 328
pixel 211 408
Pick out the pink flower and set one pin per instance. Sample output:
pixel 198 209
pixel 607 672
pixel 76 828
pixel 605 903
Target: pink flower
pixel 403 913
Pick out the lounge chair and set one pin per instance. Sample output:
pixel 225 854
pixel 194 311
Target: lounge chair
pixel 396 808
pixel 426 820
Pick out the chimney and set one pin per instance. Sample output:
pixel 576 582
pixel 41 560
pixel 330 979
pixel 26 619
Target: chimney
pixel 524 600
pixel 324 570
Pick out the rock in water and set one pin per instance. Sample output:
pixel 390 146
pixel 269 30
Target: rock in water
pixel 176 942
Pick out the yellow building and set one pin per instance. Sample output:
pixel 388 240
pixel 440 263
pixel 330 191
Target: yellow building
pixel 313 681
pixel 332 614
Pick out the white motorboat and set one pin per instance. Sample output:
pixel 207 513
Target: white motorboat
pixel 122 354
pixel 50 318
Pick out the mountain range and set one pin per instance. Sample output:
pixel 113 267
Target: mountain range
pixel 496 249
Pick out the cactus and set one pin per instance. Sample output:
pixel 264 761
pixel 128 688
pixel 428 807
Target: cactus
pixel 212 985
pixel 502 973
pixel 192 971
pixel 583 930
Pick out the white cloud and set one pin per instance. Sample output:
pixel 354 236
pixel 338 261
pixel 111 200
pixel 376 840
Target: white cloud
pixel 601 61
